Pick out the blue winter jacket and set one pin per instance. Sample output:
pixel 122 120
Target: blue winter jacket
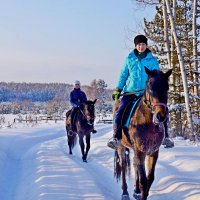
pixel 133 76
pixel 77 97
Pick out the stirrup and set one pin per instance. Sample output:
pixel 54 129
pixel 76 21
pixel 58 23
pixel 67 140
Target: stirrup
pixel 113 143
pixel 70 133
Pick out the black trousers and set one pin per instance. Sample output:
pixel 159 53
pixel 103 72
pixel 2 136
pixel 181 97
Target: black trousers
pixel 121 116
pixel 73 115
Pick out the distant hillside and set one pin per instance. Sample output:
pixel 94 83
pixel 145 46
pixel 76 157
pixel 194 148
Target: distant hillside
pixel 36 92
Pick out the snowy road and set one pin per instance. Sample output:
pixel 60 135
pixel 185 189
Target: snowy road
pixel 35 165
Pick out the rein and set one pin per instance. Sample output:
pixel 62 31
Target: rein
pixel 129 93
pixel 85 117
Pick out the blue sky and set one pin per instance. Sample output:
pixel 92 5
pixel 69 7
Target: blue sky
pixel 65 40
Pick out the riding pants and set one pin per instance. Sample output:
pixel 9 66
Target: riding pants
pixel 72 122
pixel 120 117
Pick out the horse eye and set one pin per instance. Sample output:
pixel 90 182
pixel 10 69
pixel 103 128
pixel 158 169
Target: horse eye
pixel 150 82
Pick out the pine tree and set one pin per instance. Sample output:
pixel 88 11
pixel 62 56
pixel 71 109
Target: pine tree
pixel 156 31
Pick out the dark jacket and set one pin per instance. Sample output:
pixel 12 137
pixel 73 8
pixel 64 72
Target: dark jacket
pixel 77 97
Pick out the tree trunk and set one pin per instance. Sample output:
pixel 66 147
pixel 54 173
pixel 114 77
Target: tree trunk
pixel 194 29
pixel 173 77
pixel 166 34
pixel 183 73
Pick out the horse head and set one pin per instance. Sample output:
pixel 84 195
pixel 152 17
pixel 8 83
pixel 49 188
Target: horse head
pixel 88 110
pixel 156 93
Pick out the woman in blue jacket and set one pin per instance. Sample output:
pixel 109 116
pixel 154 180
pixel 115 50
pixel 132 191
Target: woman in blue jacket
pixel 132 78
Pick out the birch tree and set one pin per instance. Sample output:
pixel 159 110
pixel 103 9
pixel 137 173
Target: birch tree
pixel 166 34
pixel 182 66
pixel 172 63
pixel 194 28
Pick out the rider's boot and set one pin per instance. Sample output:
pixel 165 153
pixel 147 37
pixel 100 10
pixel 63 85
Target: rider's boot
pixel 114 142
pixel 93 130
pixel 167 142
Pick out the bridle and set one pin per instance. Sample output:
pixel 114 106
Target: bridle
pixel 151 106
pixel 88 118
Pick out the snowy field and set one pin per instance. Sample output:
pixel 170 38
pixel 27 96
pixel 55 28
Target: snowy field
pixel 35 165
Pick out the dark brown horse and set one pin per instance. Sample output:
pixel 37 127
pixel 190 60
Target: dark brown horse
pixel 146 132
pixel 84 121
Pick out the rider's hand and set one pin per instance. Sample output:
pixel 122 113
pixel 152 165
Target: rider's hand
pixel 116 95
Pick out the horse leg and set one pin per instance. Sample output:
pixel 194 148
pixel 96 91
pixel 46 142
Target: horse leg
pixel 70 147
pixel 151 164
pixel 139 161
pixel 87 147
pixel 69 142
pixel 124 168
pixel 82 145
pixel 137 193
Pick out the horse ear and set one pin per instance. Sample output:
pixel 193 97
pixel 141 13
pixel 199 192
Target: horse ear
pixel 94 101
pixel 168 73
pixel 148 72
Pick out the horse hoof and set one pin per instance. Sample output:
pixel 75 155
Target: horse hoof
pixel 125 197
pixel 137 196
pixel 85 161
pixel 168 143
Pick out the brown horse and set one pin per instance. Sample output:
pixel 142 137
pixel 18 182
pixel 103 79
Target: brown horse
pixel 146 133
pixel 84 122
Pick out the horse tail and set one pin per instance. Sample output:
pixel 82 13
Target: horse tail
pixel 122 161
pixel 117 166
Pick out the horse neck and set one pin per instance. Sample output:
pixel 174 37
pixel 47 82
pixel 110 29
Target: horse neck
pixel 81 115
pixel 143 112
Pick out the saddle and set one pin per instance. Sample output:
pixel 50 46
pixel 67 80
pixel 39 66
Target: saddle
pixel 129 111
pixel 68 114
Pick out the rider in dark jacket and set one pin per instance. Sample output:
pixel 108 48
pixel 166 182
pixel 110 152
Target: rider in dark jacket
pixel 77 97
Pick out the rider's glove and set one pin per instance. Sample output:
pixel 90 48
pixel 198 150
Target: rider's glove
pixel 116 95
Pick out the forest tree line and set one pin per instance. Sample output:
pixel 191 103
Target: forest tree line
pixel 49 97
pixel 174 35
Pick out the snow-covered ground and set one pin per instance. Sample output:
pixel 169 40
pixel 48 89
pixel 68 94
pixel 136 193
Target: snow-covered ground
pixel 35 165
